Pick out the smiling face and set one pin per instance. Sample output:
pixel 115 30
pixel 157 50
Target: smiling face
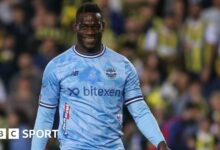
pixel 89 29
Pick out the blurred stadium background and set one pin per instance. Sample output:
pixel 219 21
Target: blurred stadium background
pixel 174 45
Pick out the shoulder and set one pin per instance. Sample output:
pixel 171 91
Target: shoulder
pixel 115 55
pixel 60 60
pixel 65 56
pixel 120 59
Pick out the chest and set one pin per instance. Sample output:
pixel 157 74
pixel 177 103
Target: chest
pixel 93 74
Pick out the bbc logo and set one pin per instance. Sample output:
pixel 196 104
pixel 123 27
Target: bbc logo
pixel 13 133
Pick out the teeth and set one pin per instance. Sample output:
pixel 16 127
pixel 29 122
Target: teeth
pixel 89 39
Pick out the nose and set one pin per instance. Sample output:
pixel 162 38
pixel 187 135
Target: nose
pixel 90 31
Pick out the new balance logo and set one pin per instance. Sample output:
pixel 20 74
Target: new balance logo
pixel 75 73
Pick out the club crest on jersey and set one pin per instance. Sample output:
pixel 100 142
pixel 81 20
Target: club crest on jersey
pixel 111 73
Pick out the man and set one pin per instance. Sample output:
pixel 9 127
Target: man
pixel 90 83
pixel 198 42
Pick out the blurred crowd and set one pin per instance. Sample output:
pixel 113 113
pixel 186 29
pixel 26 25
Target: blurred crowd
pixel 174 45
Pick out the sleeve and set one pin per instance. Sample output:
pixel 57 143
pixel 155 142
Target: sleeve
pixel 47 106
pixel 139 110
pixel 146 122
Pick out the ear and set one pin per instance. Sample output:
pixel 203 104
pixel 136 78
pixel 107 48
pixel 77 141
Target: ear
pixel 74 26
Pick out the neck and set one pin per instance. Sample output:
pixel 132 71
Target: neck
pixel 83 50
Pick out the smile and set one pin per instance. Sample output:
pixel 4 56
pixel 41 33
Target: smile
pixel 89 39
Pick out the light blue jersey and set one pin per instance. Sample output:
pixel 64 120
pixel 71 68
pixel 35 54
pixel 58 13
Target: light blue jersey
pixel 90 92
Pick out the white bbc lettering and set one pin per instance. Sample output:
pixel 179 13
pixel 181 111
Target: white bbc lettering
pixel 25 134
pixel 13 133
pixel 40 133
pixel 2 133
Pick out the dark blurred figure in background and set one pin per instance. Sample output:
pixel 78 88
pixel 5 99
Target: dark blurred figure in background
pixel 23 98
pixel 183 128
pixel 26 69
pixel 18 119
pixel 215 115
pixel 20 28
pixel 8 58
pixel 46 52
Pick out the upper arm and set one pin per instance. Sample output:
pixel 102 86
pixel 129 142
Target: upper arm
pixel 132 91
pixel 50 89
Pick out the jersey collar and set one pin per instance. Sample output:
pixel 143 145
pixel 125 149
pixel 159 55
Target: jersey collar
pixel 86 55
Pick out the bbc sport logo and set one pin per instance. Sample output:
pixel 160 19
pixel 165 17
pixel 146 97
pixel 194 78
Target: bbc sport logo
pixel 15 133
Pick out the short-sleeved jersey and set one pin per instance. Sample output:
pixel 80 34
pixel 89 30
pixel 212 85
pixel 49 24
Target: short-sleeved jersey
pixel 90 91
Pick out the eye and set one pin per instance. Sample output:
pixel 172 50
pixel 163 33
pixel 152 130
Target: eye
pixel 96 27
pixel 83 27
